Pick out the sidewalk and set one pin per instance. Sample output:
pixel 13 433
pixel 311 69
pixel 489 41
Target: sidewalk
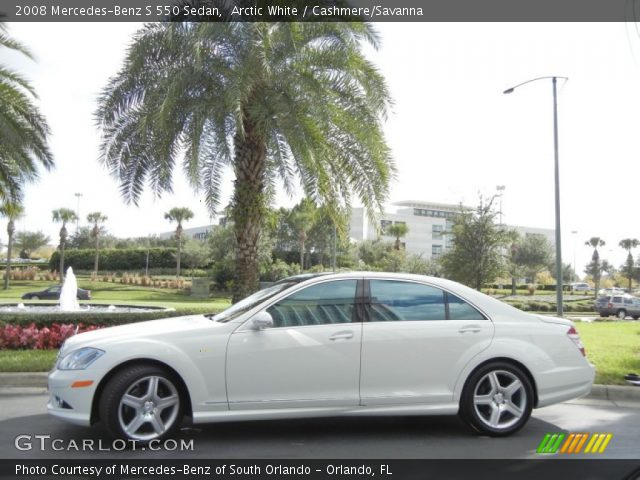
pixel 36 382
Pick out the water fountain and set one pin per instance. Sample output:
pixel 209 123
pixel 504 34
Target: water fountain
pixel 69 293
pixel 68 303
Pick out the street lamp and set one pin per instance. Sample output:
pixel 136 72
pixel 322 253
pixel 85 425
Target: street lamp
pixel 554 81
pixel 575 267
pixel 500 189
pixel 78 195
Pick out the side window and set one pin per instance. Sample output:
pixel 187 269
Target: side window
pixel 461 310
pixel 393 300
pixel 328 302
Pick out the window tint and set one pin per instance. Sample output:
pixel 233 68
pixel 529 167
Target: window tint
pixel 461 310
pixel 401 301
pixel 328 302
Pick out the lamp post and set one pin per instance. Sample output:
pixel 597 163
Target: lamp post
pixel 500 189
pixel 575 267
pixel 554 81
pixel 78 195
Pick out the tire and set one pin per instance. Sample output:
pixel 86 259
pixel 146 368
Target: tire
pixel 635 317
pixel 621 314
pixel 141 403
pixel 497 399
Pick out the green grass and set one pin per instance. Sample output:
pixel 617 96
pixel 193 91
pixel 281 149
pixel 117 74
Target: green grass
pixel 613 347
pixel 27 360
pixel 117 293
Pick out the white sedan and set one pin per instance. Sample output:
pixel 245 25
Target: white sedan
pixel 325 345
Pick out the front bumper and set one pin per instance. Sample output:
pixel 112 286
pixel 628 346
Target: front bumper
pixel 72 404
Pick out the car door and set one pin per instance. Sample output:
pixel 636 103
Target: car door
pixel 416 340
pixel 309 358
pixel 52 292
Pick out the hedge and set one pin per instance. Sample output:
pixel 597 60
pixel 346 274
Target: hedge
pixel 115 259
pixel 534 306
pixel 91 318
pixel 525 286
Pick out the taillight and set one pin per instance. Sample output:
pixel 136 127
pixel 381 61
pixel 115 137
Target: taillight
pixel 574 336
pixel 609 305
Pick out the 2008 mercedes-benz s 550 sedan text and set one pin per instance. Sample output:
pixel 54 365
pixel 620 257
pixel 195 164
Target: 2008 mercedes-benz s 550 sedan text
pixel 325 345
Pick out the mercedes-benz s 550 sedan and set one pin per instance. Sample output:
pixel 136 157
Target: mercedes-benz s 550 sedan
pixel 325 345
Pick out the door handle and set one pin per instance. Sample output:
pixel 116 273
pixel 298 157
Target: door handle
pixel 341 336
pixel 470 329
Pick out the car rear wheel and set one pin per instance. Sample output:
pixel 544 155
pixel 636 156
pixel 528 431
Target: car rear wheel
pixel 622 314
pixel 497 399
pixel 142 403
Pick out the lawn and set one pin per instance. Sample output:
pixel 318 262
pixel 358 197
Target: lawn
pixel 613 347
pixel 27 360
pixel 117 293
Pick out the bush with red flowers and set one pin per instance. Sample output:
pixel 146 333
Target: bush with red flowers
pixel 18 337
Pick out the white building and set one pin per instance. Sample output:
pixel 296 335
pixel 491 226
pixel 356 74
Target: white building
pixel 197 233
pixel 427 222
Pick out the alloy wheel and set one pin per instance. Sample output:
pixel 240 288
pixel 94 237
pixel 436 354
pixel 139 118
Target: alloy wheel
pixel 148 408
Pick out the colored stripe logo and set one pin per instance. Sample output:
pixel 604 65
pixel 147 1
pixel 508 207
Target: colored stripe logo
pixel 574 443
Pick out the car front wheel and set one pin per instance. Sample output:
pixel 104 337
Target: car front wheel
pixel 142 403
pixel 497 399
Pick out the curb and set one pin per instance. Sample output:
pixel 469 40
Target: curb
pixel 615 393
pixel 601 392
pixel 24 379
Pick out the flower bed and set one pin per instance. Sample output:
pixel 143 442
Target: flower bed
pixel 19 337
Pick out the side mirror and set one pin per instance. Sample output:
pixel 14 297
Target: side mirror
pixel 262 320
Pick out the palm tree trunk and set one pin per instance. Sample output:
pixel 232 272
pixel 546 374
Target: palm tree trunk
pixel 10 229
pixel 95 263
pixel 61 262
pixel 178 257
pixel 248 209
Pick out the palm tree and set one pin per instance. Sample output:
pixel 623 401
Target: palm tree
pixel 178 215
pixel 64 215
pixel 23 136
pixel 96 218
pixel 629 244
pixel 287 101
pixel 595 267
pixel 397 230
pixel 12 210
pixel 28 242
pixel 303 217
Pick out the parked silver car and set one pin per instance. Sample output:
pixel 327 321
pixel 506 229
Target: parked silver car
pixel 622 306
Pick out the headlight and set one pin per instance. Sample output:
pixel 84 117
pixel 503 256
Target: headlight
pixel 80 359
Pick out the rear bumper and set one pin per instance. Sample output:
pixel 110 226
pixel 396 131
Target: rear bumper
pixel 566 385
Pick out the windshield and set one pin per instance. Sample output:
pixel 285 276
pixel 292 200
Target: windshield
pixel 251 301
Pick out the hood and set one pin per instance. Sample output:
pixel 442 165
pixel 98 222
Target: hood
pixel 177 326
pixel 556 320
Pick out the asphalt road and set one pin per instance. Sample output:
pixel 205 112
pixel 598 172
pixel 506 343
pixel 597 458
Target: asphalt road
pixel 374 437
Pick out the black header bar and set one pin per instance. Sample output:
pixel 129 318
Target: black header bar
pixel 321 10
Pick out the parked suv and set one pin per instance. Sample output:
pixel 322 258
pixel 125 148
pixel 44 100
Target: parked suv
pixel 621 306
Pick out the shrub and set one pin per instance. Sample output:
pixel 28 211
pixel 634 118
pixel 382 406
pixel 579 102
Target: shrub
pixel 87 317
pixel 15 337
pixel 116 258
